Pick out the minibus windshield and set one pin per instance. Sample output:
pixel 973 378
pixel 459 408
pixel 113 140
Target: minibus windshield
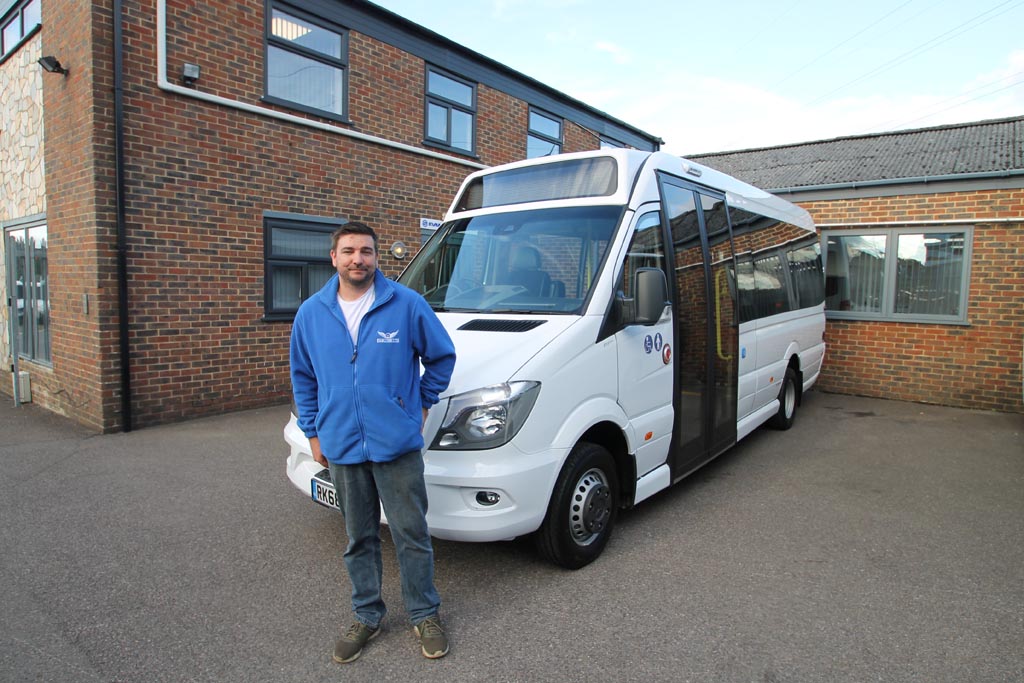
pixel 533 261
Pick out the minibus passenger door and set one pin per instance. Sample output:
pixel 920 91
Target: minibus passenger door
pixel 705 326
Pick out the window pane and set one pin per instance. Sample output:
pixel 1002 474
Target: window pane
pixel 32 16
pixel 647 250
pixel 545 126
pixel 805 269
pixel 299 243
pixel 437 122
pixel 854 273
pixel 287 294
pixel 535 147
pixel 305 81
pixel 770 295
pixel 16 266
pixel 12 33
pixel 450 89
pixel 929 273
pixel 317 276
pixel 39 318
pixel 746 289
pixel 462 130
pixel 305 34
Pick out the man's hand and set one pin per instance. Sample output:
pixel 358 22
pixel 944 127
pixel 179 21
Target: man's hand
pixel 318 456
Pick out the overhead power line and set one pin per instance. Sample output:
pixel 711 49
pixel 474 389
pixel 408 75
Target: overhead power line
pixel 969 25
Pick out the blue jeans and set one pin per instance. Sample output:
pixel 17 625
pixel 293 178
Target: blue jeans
pixel 400 488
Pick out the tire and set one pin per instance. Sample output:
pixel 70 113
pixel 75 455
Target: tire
pixel 789 396
pixel 583 508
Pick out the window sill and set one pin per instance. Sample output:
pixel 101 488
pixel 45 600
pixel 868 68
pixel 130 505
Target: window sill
pixel 455 150
pixel 295 106
pixel 910 320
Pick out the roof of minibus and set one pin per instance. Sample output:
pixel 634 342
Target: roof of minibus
pixel 631 162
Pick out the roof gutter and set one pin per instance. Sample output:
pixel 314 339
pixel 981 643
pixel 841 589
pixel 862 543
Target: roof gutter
pixel 164 84
pixel 919 180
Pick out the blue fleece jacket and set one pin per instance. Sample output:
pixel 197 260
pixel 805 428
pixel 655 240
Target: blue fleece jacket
pixel 364 401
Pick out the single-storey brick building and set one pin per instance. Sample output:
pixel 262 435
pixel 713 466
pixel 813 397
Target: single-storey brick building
pixel 172 171
pixel 923 239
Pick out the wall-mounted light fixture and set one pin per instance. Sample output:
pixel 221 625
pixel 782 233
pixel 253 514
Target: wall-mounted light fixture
pixel 52 65
pixel 190 73
pixel 399 250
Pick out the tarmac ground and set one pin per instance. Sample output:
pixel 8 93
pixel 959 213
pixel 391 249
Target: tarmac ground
pixel 874 541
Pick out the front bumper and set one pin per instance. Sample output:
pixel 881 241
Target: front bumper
pixel 523 484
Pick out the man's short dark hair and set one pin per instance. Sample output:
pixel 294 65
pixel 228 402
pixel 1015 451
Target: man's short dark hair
pixel 353 228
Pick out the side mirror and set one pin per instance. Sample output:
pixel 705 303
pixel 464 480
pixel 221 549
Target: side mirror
pixel 650 295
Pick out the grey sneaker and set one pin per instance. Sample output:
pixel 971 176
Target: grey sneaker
pixel 433 641
pixel 350 645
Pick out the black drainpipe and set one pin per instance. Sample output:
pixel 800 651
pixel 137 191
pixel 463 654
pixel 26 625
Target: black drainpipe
pixel 122 242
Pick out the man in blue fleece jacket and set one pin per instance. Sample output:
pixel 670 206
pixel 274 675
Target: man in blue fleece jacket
pixel 356 349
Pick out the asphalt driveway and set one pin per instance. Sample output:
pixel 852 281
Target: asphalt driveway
pixel 876 540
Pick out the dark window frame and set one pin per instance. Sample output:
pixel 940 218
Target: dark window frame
pixel 342 63
pixel 271 260
pixel 17 13
pixel 542 137
pixel 450 105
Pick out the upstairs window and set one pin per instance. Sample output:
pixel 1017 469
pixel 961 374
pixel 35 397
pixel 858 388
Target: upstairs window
pixel 450 111
pixel 18 24
pixel 307 63
pixel 544 137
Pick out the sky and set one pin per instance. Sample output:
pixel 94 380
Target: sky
pixel 742 74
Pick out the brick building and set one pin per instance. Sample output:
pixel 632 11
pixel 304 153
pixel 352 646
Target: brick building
pixel 923 236
pixel 172 170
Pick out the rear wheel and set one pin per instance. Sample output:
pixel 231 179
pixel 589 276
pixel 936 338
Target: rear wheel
pixel 787 402
pixel 582 510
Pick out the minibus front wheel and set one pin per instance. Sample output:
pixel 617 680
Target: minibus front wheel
pixel 582 509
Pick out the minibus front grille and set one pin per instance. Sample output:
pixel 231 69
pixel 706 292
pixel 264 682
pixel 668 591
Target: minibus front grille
pixel 502 325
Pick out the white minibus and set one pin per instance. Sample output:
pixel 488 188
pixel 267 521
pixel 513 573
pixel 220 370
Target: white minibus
pixel 620 318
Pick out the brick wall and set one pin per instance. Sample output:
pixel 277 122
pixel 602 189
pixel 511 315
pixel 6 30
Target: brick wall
pixel 973 366
pixel 199 178
pixel 77 117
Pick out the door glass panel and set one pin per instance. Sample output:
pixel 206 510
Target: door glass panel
pixel 724 360
pixel 691 307
pixel 16 263
pixel 39 319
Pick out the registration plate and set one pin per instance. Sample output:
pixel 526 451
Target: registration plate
pixel 323 490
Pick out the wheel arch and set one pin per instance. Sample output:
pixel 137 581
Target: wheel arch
pixel 609 436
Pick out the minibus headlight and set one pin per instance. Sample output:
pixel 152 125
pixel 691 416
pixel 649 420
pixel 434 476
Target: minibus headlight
pixel 486 418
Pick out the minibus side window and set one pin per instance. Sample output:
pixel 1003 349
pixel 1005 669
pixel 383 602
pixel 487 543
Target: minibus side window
pixel 646 250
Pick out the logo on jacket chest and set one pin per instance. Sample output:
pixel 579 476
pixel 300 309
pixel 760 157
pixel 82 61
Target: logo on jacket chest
pixel 388 337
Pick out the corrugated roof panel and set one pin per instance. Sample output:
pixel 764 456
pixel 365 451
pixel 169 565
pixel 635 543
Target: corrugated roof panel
pixel 978 147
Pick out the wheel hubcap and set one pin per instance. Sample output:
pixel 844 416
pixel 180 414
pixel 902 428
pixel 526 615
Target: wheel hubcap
pixel 790 399
pixel 590 507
